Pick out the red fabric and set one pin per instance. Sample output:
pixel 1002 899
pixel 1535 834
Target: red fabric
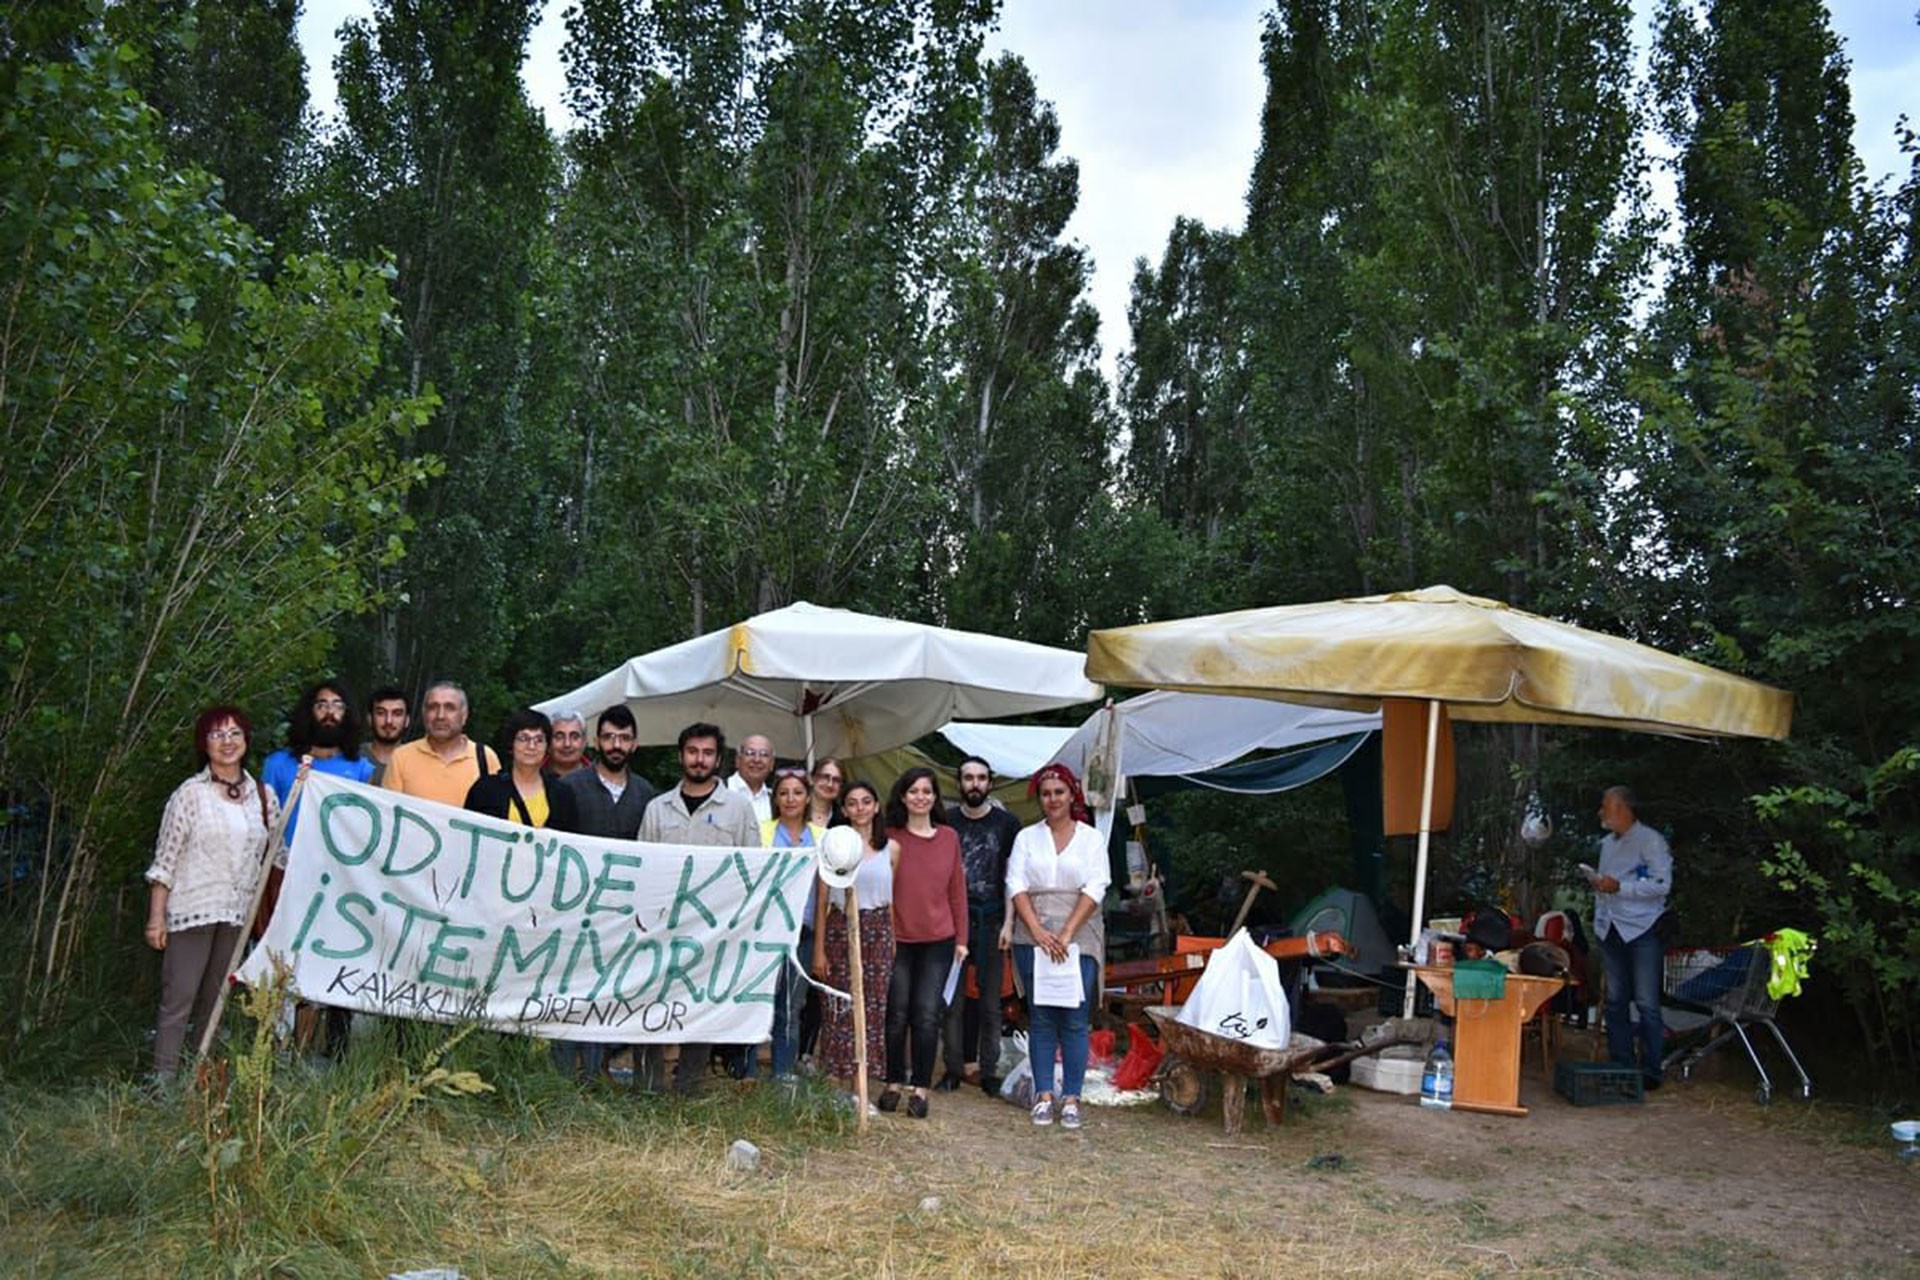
pixel 1142 1060
pixel 1100 1047
pixel 1078 808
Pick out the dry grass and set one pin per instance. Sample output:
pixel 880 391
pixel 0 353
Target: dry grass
pixel 542 1179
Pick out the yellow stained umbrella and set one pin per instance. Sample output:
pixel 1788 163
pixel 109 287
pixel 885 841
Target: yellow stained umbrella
pixel 1482 659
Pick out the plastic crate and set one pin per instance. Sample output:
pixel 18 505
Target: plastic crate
pixel 1388 1075
pixel 1597 1084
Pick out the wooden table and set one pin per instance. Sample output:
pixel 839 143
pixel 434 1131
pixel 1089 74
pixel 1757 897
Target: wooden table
pixel 1486 1051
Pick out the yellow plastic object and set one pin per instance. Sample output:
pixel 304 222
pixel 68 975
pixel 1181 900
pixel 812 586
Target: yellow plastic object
pixel 1790 950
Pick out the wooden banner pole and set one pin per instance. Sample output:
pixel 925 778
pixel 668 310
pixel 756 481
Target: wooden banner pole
pixel 259 891
pixel 857 986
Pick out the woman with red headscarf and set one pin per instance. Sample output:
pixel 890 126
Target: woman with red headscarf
pixel 1056 877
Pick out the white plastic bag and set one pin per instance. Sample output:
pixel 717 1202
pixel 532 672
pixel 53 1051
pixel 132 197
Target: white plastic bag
pixel 1239 996
pixel 1017 1087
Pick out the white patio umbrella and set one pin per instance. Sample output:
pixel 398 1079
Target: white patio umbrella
pixel 833 682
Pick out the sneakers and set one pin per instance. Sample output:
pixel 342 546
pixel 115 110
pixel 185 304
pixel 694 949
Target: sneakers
pixel 1043 1112
pixel 1070 1114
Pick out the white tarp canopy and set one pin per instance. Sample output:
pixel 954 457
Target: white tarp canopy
pixel 1163 734
pixel 820 681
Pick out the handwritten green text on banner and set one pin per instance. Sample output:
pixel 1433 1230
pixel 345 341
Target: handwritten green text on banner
pixel 411 909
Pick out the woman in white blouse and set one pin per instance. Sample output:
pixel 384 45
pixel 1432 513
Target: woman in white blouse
pixel 1057 875
pixel 206 864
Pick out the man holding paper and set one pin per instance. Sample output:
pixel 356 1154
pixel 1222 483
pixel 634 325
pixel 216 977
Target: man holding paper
pixel 1630 888
pixel 1056 878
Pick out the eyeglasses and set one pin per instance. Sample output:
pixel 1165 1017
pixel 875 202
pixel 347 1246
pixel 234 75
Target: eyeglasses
pixel 791 771
pixel 756 753
pixel 824 778
pixel 227 735
pixel 531 738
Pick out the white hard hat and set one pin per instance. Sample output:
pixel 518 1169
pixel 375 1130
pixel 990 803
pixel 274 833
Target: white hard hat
pixel 840 855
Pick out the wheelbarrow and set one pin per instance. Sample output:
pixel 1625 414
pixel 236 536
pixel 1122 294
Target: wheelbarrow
pixel 1191 1054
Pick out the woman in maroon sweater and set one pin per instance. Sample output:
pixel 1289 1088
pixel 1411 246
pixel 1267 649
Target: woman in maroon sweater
pixel 929 931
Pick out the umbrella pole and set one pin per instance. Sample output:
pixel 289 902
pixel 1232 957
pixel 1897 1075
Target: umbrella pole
pixel 806 726
pixel 857 984
pixel 1426 835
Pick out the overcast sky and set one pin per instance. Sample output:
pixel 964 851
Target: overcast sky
pixel 1159 101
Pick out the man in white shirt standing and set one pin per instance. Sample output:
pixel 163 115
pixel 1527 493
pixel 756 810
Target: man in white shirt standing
pixel 753 764
pixel 1630 888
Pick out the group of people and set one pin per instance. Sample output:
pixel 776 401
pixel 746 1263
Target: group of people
pixel 939 887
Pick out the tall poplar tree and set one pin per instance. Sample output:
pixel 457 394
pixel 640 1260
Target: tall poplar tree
pixel 441 162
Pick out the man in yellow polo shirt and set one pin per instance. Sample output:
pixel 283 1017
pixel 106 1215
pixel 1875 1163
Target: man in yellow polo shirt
pixel 443 765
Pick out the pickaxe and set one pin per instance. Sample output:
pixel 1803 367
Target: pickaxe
pixel 1256 881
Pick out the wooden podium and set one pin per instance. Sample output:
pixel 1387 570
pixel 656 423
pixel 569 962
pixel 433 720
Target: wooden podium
pixel 1486 1052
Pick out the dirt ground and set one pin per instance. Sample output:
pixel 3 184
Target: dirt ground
pixel 1698 1181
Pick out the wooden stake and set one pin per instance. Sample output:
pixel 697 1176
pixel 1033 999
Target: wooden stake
pixel 259 891
pixel 857 984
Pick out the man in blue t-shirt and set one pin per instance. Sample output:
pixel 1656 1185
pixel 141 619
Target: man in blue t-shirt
pixel 324 727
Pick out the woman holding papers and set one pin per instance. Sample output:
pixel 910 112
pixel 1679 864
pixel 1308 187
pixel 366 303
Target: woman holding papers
pixel 873 890
pixel 1056 876
pixel 929 932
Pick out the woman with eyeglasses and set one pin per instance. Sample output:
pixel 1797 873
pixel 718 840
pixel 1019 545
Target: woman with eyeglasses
pixel 929 933
pixel 832 964
pixel 823 811
pixel 524 792
pixel 788 828
pixel 823 808
pixel 207 863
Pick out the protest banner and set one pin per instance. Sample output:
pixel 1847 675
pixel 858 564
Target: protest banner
pixel 411 909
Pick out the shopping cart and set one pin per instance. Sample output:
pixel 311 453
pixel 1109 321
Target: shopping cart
pixel 1728 985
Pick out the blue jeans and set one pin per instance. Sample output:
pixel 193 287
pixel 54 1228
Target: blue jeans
pixel 1633 981
pixel 788 995
pixel 1054 1029
pixel 582 1057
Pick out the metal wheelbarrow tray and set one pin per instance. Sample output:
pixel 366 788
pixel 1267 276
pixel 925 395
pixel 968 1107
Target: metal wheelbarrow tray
pixel 1192 1053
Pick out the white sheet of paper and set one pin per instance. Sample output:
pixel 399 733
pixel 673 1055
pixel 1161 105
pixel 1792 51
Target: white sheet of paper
pixel 953 980
pixel 1058 985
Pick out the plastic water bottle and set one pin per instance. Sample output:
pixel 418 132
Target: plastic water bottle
pixel 1436 1080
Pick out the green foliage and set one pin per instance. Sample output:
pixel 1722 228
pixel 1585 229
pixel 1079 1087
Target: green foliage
pixel 1856 865
pixel 199 481
pixel 442 164
pixel 228 82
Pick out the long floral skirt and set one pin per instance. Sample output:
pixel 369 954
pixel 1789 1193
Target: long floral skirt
pixel 876 966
